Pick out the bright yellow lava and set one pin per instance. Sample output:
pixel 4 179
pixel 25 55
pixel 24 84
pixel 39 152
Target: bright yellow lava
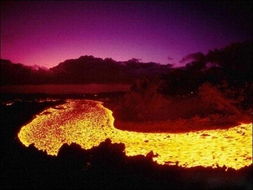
pixel 88 123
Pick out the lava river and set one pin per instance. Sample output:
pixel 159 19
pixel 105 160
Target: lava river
pixel 88 123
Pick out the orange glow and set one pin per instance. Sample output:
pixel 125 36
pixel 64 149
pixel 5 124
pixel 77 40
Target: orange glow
pixel 88 123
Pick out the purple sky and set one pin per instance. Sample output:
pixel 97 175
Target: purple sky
pixel 46 33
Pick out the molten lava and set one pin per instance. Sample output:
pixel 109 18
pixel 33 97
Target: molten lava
pixel 88 123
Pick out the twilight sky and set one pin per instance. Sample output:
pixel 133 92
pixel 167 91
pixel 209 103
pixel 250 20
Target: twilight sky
pixel 46 33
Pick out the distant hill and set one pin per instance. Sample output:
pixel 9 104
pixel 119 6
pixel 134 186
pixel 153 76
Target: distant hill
pixel 16 73
pixel 85 69
pixel 89 69
pixel 232 64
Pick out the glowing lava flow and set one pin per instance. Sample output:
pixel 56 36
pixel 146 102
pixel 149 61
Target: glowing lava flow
pixel 88 123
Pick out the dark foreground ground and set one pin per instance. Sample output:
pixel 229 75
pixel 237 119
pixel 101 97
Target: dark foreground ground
pixel 104 167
